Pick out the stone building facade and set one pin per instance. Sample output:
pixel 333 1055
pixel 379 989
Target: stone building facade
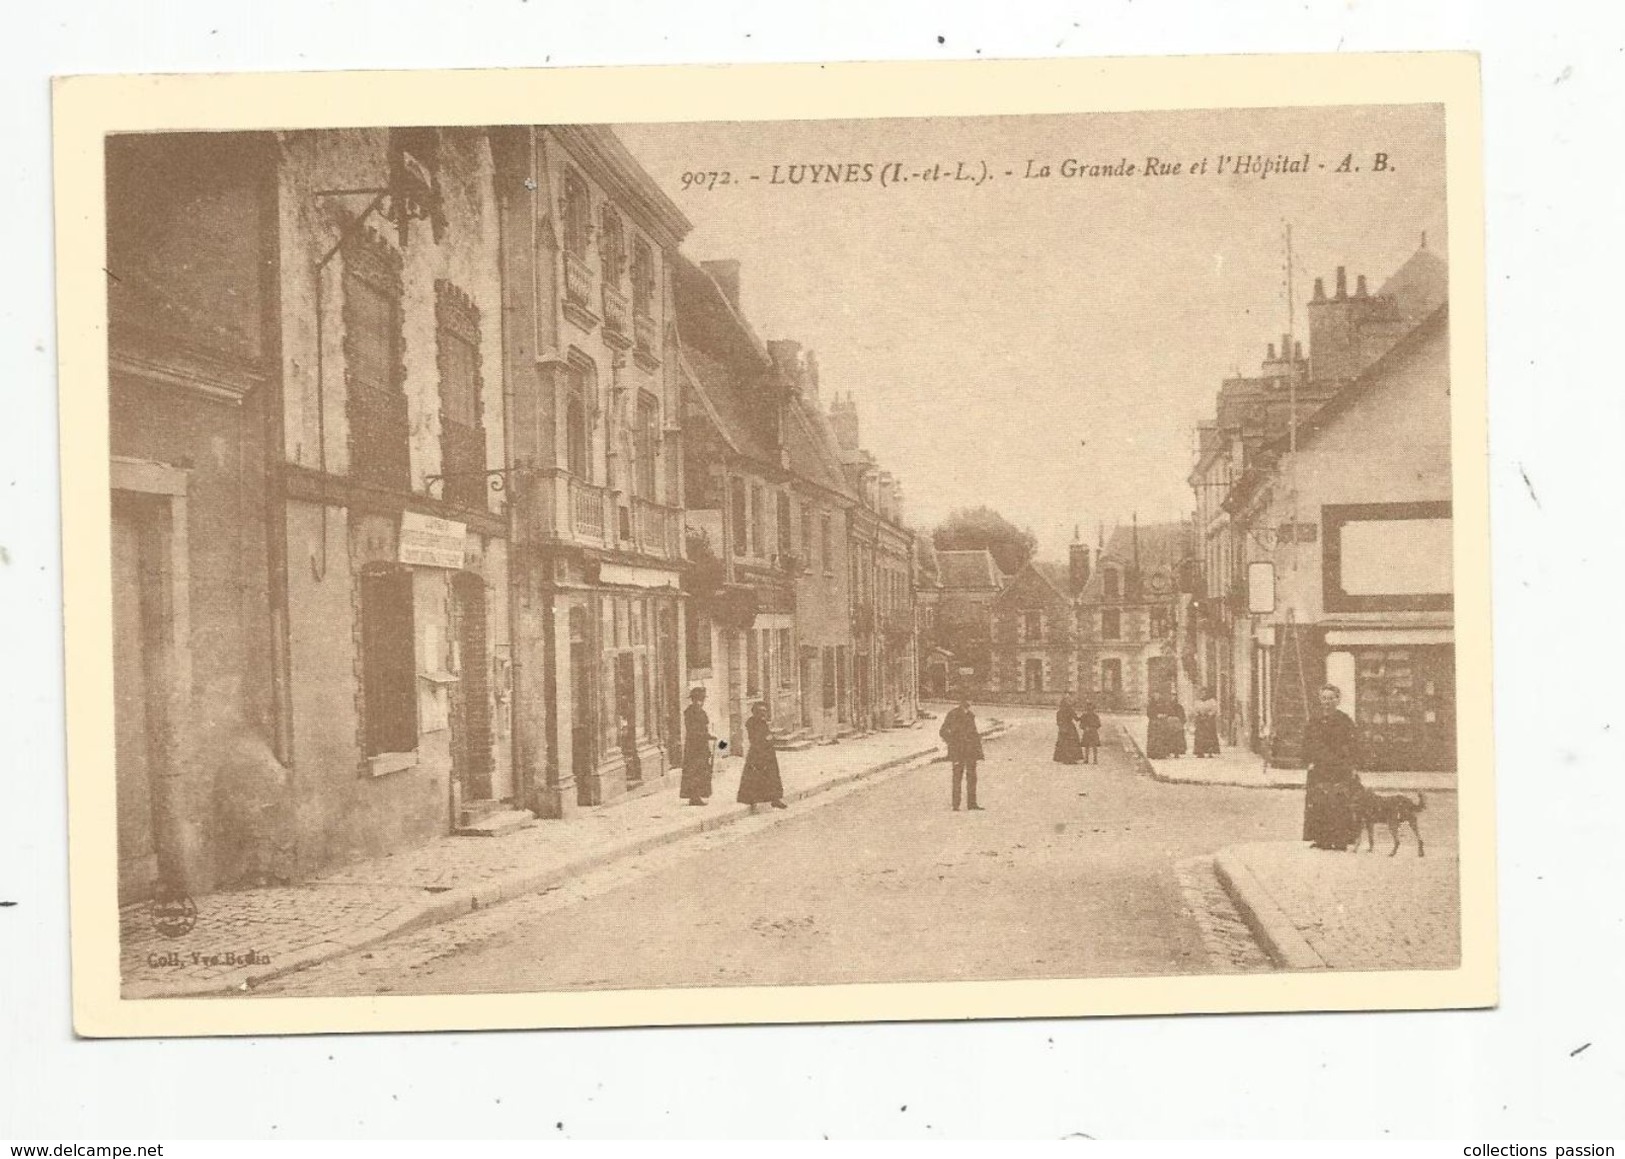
pixel 1349 332
pixel 307 400
pixel 587 245
pixel 200 728
pixel 1034 646
pixel 742 639
pixel 881 557
pixel 395 545
pixel 1363 582
pixel 1130 644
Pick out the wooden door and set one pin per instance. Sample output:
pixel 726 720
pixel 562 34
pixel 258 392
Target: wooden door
pixel 471 698
pixel 137 709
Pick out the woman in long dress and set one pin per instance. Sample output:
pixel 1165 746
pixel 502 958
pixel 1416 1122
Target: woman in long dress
pixel 760 784
pixel 1176 726
pixel 1156 733
pixel 1089 734
pixel 1205 740
pixel 1331 747
pixel 1068 748
pixel 695 786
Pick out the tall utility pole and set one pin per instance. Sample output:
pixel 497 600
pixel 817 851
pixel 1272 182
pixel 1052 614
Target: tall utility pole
pixel 1289 354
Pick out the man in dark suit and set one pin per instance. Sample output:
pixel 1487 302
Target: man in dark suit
pixel 964 750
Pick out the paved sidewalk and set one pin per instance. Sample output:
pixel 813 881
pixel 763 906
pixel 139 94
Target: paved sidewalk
pixel 245 937
pixel 1246 769
pixel 1314 910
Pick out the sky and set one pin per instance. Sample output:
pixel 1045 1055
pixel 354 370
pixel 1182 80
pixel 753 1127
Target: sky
pixel 1046 345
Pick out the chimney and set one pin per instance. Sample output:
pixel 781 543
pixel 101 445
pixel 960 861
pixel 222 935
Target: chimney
pixel 1320 289
pixel 725 273
pixel 810 370
pixel 1359 286
pixel 843 417
pixel 786 355
pixel 1079 571
pixel 1342 284
pixel 1269 352
pixel 1297 351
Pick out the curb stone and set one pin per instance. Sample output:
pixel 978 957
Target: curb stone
pixel 460 901
pixel 1275 932
pixel 1148 768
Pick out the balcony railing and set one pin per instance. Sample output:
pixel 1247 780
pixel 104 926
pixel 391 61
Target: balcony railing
pixel 589 512
pixel 615 319
pixel 569 509
pixel 647 334
pixel 578 290
pixel 659 529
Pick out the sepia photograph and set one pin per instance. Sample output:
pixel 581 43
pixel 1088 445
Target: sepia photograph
pixel 645 558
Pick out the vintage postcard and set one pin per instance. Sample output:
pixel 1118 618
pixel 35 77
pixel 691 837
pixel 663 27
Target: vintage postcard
pixel 775 544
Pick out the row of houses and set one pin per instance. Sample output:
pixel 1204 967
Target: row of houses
pixel 438 476
pixel 1323 520
pixel 1319 551
pixel 1105 628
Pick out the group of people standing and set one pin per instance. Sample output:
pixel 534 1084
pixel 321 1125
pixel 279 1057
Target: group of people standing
pixel 1077 734
pixel 1165 728
pixel 759 784
pixel 1331 787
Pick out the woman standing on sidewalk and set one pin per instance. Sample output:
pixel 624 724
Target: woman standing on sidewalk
pixel 1329 744
pixel 1205 741
pixel 760 783
pixel 1068 747
pixel 696 782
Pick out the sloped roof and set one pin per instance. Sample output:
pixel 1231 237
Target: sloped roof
pixel 1420 286
pixel 1058 574
pixel 1254 477
pixel 1034 583
pixel 926 569
pixel 813 454
pixel 731 366
pixel 968 569
pixel 1160 548
pixel 1435 322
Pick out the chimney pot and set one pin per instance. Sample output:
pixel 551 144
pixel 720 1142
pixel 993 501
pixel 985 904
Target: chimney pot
pixel 1342 283
pixel 1320 289
pixel 1359 286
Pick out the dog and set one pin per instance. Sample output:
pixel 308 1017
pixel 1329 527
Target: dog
pixel 1373 809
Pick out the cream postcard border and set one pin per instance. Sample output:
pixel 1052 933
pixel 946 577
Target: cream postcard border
pixel 87 107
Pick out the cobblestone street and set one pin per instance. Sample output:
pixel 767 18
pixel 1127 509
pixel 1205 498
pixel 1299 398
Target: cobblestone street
pixel 1361 910
pixel 1073 871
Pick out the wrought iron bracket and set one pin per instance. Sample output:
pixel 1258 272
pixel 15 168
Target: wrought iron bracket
pixel 496 478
